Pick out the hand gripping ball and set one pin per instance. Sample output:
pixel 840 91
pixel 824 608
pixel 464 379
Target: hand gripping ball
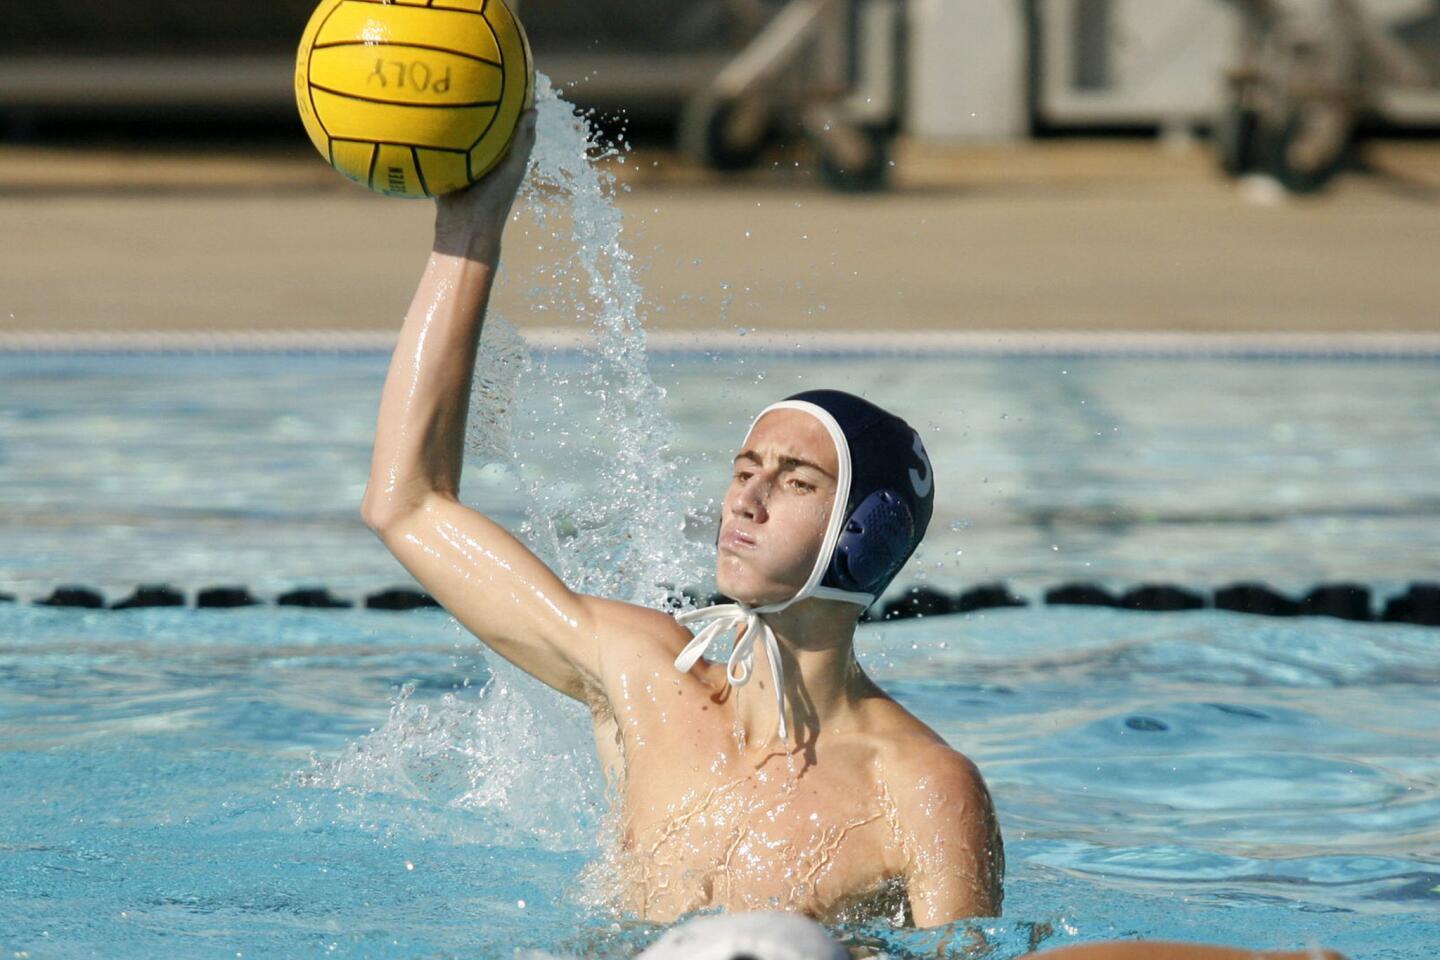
pixel 413 98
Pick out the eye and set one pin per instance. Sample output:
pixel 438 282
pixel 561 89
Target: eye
pixel 801 485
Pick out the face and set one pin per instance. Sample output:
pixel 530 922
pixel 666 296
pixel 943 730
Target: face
pixel 776 508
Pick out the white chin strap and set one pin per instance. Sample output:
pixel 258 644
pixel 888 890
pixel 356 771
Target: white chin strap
pixel 744 623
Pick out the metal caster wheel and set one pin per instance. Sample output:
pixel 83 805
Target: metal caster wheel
pixel 726 134
pixel 1314 143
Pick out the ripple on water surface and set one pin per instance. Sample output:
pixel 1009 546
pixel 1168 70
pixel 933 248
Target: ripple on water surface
pixel 158 790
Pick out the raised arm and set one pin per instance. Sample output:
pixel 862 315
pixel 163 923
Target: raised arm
pixel 485 577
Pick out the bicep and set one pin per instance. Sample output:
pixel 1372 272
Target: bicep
pixel 500 591
pixel 957 861
pixel 959 885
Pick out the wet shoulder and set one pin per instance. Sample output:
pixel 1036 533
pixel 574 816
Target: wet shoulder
pixel 917 760
pixel 633 645
pixel 637 629
pixel 937 770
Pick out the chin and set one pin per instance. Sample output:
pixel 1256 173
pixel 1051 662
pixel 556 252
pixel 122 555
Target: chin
pixel 752 590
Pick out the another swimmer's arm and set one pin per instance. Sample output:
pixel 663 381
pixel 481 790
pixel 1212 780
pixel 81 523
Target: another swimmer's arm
pixel 1156 950
pixel 495 586
pixel 956 858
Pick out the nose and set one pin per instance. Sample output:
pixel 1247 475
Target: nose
pixel 747 499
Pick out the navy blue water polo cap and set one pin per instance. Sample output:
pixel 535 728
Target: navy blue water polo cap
pixel 885 494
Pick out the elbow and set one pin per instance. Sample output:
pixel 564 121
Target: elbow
pixel 375 514
pixel 381 512
pixel 386 511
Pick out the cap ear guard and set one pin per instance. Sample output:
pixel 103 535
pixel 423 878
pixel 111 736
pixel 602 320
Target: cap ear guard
pixel 873 544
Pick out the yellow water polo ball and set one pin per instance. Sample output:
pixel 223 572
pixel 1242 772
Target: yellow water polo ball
pixel 413 98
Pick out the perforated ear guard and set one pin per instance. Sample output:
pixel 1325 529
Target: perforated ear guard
pixel 873 543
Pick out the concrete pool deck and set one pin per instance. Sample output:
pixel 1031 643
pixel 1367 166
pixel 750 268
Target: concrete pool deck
pixel 1073 236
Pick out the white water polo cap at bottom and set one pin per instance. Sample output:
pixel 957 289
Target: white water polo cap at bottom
pixel 762 936
pixel 884 496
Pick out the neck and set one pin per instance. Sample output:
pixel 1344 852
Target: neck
pixel 823 683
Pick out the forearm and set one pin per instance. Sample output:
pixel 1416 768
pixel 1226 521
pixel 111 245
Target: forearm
pixel 1156 950
pixel 420 430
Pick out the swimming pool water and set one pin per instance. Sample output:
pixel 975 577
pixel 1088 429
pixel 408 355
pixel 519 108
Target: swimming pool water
pixel 280 782
pixel 196 470
pixel 274 782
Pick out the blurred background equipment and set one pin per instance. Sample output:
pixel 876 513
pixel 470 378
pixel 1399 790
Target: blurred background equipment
pixel 150 59
pixel 1308 73
pixel 1283 84
pixel 828 68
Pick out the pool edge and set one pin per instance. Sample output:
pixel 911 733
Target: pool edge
pixel 979 343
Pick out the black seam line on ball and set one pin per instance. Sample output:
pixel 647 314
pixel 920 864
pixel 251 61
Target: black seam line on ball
pixel 401 143
pixel 408 104
pixel 405 44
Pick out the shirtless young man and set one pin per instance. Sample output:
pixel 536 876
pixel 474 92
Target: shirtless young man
pixel 809 789
pixel 818 794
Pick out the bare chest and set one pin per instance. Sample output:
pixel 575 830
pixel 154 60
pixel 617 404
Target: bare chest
pixel 750 831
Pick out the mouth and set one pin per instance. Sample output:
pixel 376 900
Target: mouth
pixel 737 540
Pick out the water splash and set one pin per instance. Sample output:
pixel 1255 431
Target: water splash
pixel 624 535
pixel 495 752
pixel 475 767
pixel 596 411
pixel 502 359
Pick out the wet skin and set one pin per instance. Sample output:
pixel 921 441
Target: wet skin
pixel 872 815
pixel 860 807
pixel 862 810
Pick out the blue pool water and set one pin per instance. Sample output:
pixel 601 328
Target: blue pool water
pixel 197 470
pixel 277 782
pixel 295 783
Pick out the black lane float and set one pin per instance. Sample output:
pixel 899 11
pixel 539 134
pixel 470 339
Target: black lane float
pixel 1419 604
